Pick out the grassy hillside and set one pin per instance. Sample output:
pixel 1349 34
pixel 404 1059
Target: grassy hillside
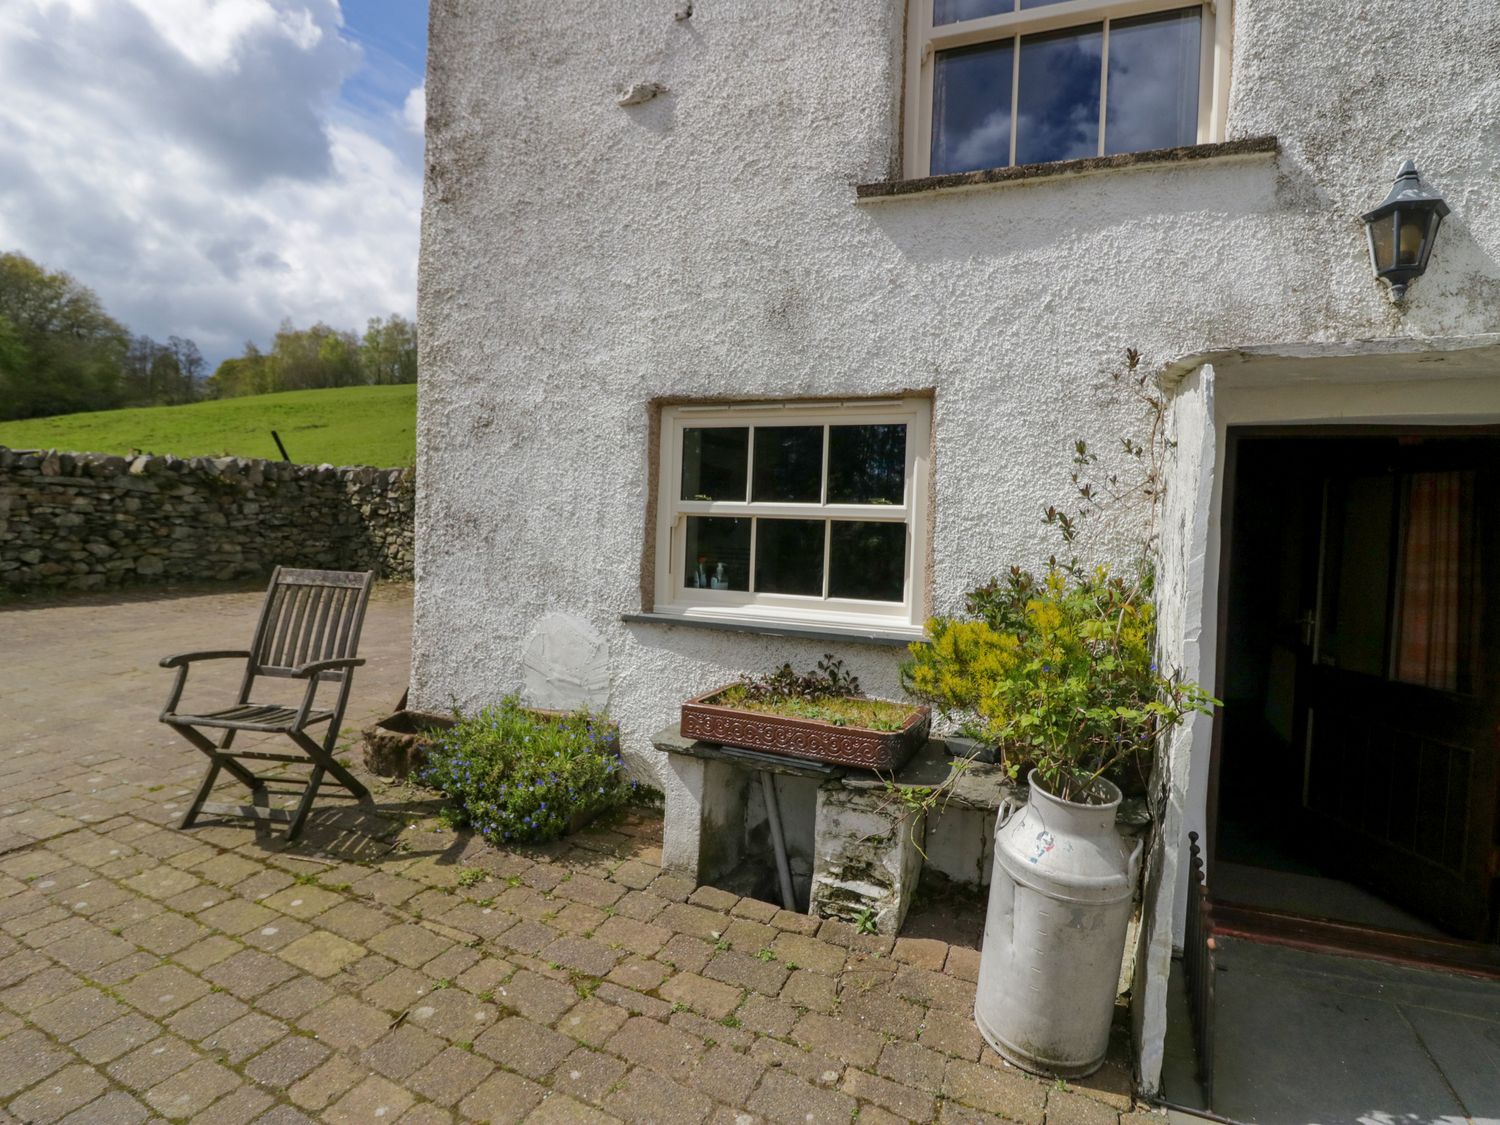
pixel 341 425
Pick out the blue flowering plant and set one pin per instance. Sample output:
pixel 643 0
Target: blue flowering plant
pixel 520 776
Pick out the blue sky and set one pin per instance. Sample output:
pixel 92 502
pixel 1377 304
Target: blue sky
pixel 393 37
pixel 211 167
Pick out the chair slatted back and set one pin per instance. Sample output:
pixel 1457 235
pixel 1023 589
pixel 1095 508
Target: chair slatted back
pixel 309 615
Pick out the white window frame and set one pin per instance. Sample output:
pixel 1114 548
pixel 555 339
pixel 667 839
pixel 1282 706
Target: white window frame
pixel 675 598
pixel 923 41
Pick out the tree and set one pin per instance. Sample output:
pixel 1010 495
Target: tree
pixel 190 366
pixel 247 374
pixel 320 356
pixel 338 359
pixel 12 352
pixel 73 350
pixel 155 374
pixel 388 353
pixel 136 369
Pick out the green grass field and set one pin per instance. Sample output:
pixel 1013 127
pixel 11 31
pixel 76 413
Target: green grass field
pixel 340 425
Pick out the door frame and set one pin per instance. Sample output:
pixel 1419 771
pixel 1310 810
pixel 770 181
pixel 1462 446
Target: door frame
pixel 1285 927
pixel 1397 381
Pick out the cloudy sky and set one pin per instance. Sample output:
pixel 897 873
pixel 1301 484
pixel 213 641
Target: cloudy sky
pixel 212 166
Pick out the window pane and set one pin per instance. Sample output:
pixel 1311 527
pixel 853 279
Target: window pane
pixel 866 464
pixel 717 556
pixel 1383 238
pixel 714 463
pixel 867 560
pixel 951 11
pixel 1153 82
pixel 1057 107
pixel 971 108
pixel 788 464
pixel 1409 233
pixel 1439 622
pixel 789 556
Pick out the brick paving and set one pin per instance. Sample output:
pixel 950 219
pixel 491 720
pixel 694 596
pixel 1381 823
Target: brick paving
pixel 215 975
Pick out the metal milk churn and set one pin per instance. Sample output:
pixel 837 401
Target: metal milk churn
pixel 1054 935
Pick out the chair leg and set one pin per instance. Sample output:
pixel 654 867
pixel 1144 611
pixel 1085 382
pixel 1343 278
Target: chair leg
pixel 203 791
pixel 217 760
pixel 261 798
pixel 304 806
pixel 344 777
pixel 323 757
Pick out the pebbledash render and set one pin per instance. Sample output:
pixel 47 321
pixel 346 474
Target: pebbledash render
pixel 660 236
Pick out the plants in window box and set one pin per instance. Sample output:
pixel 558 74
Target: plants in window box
pixel 518 775
pixel 820 715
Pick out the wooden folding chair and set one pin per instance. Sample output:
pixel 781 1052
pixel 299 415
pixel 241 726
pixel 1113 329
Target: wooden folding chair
pixel 308 630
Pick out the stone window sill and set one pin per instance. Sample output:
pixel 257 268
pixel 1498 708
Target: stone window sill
pixel 1030 173
pixel 841 635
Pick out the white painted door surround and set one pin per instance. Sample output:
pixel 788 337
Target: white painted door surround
pixel 1395 381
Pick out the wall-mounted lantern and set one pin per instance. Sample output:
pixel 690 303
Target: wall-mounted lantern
pixel 1402 229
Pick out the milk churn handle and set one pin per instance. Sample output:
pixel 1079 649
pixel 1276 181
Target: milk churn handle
pixel 1006 809
pixel 1132 863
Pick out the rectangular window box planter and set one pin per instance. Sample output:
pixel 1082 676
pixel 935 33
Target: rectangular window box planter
pixel 811 739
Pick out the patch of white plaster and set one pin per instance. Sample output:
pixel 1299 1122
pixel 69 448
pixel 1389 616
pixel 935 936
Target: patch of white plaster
pixel 565 664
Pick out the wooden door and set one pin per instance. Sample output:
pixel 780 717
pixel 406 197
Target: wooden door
pixel 1398 694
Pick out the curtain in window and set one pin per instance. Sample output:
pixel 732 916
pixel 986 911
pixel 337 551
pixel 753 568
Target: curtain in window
pixel 1437 602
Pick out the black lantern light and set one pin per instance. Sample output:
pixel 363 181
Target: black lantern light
pixel 1402 229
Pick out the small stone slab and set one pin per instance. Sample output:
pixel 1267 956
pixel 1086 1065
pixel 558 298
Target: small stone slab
pixel 980 785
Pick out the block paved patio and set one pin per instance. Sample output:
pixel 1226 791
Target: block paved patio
pixel 390 969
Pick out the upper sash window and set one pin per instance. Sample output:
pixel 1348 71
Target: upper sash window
pixel 994 83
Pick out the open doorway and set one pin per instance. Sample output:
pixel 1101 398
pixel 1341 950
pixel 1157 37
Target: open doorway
pixel 1356 799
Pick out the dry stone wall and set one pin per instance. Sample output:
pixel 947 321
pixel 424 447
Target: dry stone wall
pixel 85 520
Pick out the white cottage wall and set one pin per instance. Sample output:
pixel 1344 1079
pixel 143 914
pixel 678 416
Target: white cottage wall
pixel 583 260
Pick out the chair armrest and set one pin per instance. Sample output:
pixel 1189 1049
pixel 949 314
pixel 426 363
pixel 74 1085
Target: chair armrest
pixel 311 673
pixel 183 658
pixel 303 671
pixel 181 662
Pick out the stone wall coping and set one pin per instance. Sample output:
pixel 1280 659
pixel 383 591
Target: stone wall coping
pixel 61 463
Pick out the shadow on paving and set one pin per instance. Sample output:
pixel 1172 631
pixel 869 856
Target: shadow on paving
pixel 389 968
pixel 14 598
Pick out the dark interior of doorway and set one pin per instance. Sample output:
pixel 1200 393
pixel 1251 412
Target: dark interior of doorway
pixel 1319 525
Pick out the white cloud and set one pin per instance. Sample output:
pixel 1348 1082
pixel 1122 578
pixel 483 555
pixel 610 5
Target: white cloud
pixel 210 33
pixel 186 159
pixel 414 112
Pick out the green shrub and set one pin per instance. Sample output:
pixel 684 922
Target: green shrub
pixel 1057 671
pixel 518 777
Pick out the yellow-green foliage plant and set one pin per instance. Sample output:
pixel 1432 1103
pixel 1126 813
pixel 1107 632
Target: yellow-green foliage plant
pixel 1056 670
pixel 1059 670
